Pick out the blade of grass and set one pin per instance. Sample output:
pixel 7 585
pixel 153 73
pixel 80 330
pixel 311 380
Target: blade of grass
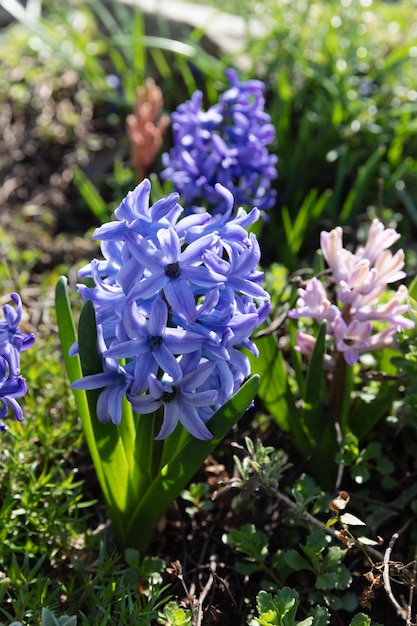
pixel 408 203
pixel 91 196
pixel 354 201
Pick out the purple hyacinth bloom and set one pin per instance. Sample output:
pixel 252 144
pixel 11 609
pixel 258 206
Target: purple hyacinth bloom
pixel 177 273
pixel 226 144
pixel 12 343
pixel 182 401
pixel 153 344
pixel 115 381
pixel 134 213
pixel 176 300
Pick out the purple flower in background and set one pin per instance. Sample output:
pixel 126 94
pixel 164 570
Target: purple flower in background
pixel 176 301
pixel 361 279
pixel 12 343
pixel 226 144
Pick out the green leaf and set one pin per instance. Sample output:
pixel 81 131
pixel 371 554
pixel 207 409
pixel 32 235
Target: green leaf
pixel 175 616
pixel 132 557
pixel 334 556
pixel 67 336
pixel 67 620
pixel 339 578
pixel 115 463
pixel 252 542
pixel 412 290
pixel 331 522
pixel 327 580
pixel 354 201
pixel 112 448
pixel 312 420
pixel 179 470
pixel 280 608
pixel 98 207
pixel 310 210
pixel 361 619
pixel 316 541
pixel 151 569
pixel 321 616
pixel 273 388
pixel 245 568
pixel 296 561
pixel 48 618
pixel 66 331
pixel 366 414
pixel 314 381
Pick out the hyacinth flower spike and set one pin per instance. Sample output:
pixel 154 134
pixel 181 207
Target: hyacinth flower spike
pixel 361 278
pixel 146 127
pixel 344 318
pixel 12 343
pixel 227 144
pixel 160 343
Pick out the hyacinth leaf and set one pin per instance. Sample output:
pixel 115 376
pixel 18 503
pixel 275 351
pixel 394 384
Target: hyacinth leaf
pixel 115 444
pixel 273 389
pixel 147 452
pixel 296 358
pixel 66 331
pixel 312 429
pixel 173 443
pixel 412 290
pixel 314 379
pixel 307 423
pixel 67 336
pixel 175 475
pixel 408 203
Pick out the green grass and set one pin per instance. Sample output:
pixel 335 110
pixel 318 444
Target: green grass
pixel 342 97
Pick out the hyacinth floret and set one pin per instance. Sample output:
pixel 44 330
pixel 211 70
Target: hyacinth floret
pixel 176 299
pixel 358 321
pixel 12 343
pixel 226 144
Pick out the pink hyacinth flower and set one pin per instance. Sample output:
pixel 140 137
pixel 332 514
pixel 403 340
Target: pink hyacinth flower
pixel 379 239
pixel 312 302
pixel 305 343
pixel 391 312
pixel 352 339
